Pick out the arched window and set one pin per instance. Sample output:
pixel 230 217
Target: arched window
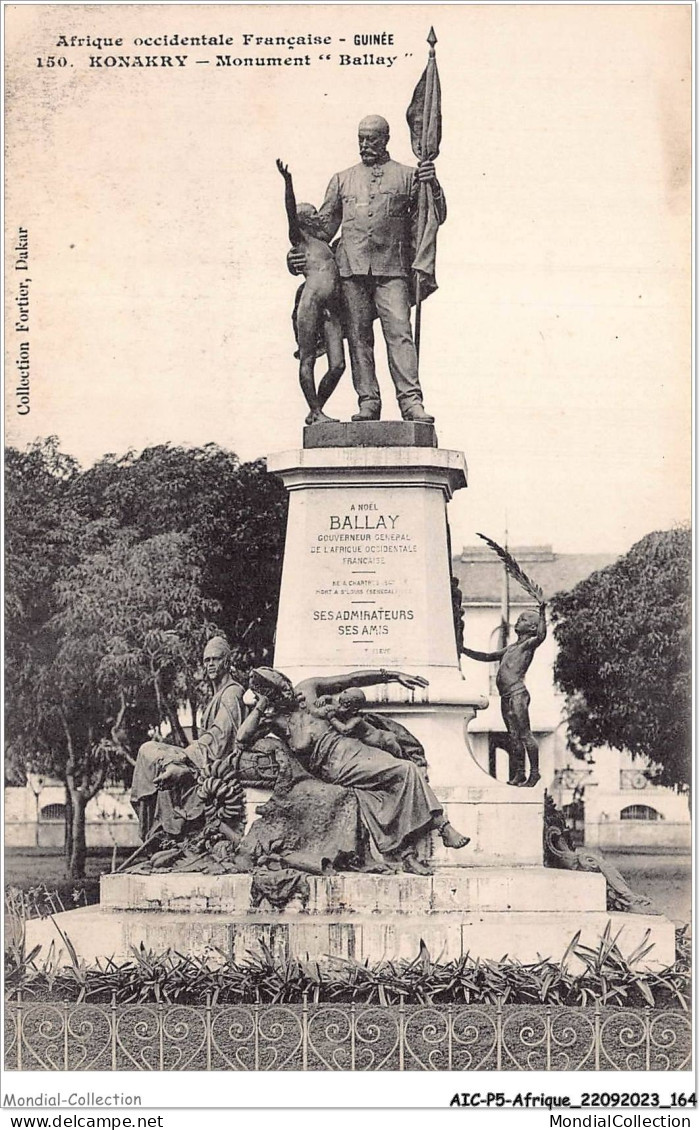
pixel 640 812
pixel 53 812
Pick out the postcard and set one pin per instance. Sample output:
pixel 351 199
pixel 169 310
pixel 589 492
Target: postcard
pixel 348 560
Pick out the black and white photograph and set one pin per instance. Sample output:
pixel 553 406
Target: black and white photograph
pixel 348 562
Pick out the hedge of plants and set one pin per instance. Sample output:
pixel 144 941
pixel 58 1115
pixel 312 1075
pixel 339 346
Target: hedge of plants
pixel 583 976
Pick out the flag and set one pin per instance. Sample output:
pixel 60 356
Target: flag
pixel 425 123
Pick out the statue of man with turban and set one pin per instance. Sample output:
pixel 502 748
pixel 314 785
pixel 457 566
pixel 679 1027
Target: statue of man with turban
pixel 161 791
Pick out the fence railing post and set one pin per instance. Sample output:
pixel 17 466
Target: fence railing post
pixel 499 1034
pixel 352 1035
pixel 207 1030
pixel 305 1032
pixel 256 1036
pixel 65 1036
pixel 402 1033
pixel 647 1038
pixel 548 1036
pixel 449 1037
pixel 113 1028
pixel 596 1033
pixel 161 1056
pixel 20 1028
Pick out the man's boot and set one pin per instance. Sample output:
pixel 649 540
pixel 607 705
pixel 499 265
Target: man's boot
pixel 367 412
pixel 416 413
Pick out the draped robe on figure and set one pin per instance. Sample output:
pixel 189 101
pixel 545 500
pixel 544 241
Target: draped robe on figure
pixel 172 807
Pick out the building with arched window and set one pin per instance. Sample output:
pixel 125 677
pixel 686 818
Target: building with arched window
pixel 35 816
pixel 640 812
pixel 625 809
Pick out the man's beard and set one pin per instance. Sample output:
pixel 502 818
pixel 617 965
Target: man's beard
pixel 371 156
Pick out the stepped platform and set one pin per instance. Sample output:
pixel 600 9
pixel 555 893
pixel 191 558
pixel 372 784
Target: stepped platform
pixel 448 891
pixel 526 913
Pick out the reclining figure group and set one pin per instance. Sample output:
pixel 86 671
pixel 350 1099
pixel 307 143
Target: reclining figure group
pixel 326 735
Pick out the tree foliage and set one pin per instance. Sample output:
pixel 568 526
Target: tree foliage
pixel 624 658
pixel 115 578
pixel 234 513
pixel 134 615
pixel 42 536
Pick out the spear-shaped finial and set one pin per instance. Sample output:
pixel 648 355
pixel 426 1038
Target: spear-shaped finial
pixel 432 40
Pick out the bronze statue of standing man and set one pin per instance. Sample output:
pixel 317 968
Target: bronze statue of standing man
pixel 376 202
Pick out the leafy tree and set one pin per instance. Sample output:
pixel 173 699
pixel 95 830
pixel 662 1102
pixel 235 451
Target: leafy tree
pixel 66 725
pixel 130 628
pixel 42 532
pixel 44 536
pixel 115 578
pixel 624 658
pixel 41 527
pixel 233 512
pixel 137 611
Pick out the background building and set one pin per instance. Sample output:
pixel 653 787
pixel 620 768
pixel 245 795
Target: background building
pixel 35 816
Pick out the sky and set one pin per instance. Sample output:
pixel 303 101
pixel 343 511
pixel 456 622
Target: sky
pixel 556 352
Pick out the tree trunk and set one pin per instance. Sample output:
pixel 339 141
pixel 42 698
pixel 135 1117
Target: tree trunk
pixel 175 725
pixel 78 855
pixel 192 702
pixel 79 790
pixel 118 733
pixel 68 840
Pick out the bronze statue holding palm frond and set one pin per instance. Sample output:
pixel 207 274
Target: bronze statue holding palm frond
pixel 513 663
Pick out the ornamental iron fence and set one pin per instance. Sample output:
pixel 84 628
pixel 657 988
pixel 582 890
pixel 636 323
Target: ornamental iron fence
pixel 43 1036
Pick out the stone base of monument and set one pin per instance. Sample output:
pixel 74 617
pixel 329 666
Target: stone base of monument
pixel 522 912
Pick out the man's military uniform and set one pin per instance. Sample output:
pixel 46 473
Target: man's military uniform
pixel 378 208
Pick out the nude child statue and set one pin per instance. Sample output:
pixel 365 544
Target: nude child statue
pixel 318 310
pixel 344 715
pixel 531 629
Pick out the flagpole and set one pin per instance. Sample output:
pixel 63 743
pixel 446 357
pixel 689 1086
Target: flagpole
pixel 416 330
pixel 431 40
pixel 505 597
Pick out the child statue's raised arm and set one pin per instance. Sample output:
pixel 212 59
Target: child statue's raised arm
pixel 290 203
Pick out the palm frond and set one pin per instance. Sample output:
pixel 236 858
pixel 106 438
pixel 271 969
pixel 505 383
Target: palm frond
pixel 514 569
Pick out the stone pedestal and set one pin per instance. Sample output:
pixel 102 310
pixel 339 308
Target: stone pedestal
pixel 523 912
pixel 366 578
pixel 374 433
pixel 366 584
